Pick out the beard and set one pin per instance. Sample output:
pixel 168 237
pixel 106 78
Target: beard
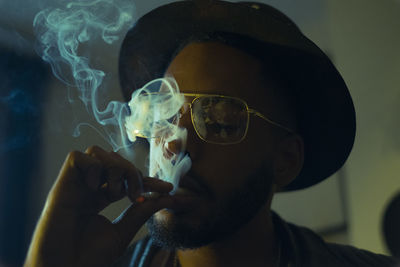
pixel 227 217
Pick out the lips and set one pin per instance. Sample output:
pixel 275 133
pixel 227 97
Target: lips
pixel 190 194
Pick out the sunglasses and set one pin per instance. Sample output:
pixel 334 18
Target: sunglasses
pixel 219 119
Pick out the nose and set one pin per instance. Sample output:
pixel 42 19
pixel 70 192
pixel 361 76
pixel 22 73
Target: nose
pixel 177 146
pixel 185 120
pixel 174 147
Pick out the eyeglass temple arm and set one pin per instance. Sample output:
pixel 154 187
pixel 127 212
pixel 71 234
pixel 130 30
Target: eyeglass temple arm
pixel 258 114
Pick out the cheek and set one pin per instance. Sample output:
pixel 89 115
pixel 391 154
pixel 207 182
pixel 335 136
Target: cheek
pixel 229 166
pixel 261 139
pixel 225 168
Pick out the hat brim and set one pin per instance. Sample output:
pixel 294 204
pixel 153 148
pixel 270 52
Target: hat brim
pixel 326 112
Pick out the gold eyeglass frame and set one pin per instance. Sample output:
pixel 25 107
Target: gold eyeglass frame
pixel 249 111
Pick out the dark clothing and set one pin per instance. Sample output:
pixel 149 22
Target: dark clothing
pixel 300 248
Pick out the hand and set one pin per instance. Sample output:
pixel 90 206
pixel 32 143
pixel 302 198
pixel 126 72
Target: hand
pixel 70 231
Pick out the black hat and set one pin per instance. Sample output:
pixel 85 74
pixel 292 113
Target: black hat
pixel 325 109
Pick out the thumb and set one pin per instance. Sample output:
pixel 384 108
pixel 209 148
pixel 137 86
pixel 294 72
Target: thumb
pixel 133 218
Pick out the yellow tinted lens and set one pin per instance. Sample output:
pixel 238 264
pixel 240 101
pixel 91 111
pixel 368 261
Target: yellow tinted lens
pixel 220 119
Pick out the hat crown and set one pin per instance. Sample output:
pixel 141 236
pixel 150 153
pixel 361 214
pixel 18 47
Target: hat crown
pixel 327 115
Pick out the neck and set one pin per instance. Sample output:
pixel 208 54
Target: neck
pixel 252 245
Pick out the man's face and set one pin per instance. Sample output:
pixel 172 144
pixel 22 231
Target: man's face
pixel 238 178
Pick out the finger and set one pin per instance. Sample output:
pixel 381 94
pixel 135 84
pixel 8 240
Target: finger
pixel 134 180
pixel 133 218
pixel 79 176
pixel 115 188
pixel 148 185
pixel 79 168
pixel 156 185
pixel 115 171
pixel 93 176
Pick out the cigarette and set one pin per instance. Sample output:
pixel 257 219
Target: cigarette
pixel 140 199
pixel 147 196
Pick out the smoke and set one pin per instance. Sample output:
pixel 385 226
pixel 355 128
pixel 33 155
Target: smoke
pixel 153 111
pixel 60 32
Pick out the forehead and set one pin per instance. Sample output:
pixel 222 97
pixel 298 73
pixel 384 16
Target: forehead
pixel 215 68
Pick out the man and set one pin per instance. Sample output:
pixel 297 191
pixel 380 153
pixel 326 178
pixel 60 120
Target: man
pixel 293 126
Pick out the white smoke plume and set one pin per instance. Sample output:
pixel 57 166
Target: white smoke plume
pixel 153 111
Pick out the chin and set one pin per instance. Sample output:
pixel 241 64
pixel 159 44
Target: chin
pixel 171 218
pixel 190 230
pixel 176 231
pixel 208 221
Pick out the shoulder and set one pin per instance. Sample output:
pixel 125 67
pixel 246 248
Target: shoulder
pixel 314 251
pixel 360 257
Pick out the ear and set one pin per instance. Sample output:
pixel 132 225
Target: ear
pixel 288 160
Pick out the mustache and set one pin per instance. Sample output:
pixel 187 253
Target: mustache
pixel 194 175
